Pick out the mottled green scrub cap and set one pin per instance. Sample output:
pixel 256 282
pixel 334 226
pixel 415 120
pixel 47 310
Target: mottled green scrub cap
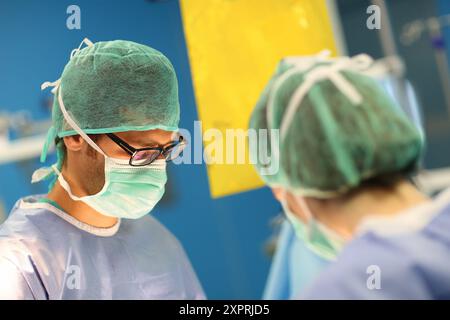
pixel 338 127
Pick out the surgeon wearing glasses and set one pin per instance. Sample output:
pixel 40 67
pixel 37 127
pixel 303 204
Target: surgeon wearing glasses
pixel 115 124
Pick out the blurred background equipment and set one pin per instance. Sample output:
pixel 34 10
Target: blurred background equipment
pixel 20 137
pixel 415 32
pixel 432 27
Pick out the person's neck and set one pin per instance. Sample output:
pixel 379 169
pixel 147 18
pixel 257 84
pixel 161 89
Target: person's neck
pixel 79 210
pixel 344 216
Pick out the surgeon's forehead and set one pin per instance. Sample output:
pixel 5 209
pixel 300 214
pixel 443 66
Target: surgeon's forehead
pixel 147 137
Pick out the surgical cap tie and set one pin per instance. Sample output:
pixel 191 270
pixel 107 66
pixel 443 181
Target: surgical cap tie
pixel 58 92
pixel 301 65
pixel 51 134
pixel 330 72
pixel 75 51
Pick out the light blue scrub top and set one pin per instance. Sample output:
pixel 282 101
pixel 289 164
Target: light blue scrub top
pixel 47 254
pixel 403 257
pixel 293 267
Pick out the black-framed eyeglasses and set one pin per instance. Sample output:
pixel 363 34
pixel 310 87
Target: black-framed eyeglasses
pixel 145 156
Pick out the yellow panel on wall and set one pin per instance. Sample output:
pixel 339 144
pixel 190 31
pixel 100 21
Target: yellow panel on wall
pixel 234 47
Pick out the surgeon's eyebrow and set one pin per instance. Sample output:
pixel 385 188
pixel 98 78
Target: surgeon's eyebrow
pixel 149 143
pixel 145 143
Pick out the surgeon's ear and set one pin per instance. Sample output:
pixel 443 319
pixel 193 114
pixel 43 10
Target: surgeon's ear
pixel 278 193
pixel 74 143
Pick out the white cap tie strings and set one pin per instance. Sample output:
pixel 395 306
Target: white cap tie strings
pixel 76 50
pixel 330 72
pixel 58 92
pixel 300 65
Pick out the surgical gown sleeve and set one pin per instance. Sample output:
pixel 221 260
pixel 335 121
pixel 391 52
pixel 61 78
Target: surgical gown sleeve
pixel 13 284
pixel 376 268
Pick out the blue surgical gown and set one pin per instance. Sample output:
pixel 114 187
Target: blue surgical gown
pixel 407 256
pixel 47 254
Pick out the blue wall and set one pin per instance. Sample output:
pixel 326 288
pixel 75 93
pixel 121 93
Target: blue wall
pixel 224 238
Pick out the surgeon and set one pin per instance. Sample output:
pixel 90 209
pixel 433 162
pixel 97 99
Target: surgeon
pixel 347 154
pixel 115 124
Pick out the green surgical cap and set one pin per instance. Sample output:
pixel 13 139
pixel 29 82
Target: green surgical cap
pixel 338 127
pixel 116 86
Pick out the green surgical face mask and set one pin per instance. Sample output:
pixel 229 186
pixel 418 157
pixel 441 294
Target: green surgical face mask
pixel 129 192
pixel 317 237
